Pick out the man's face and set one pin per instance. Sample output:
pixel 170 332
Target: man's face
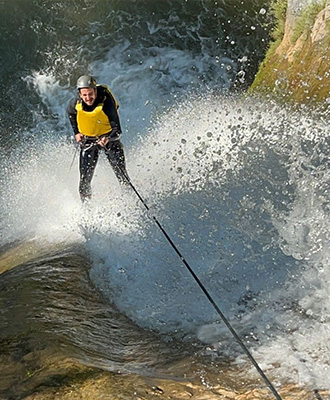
pixel 88 95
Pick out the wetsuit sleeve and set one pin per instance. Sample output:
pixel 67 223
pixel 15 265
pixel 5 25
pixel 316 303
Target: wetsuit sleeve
pixel 72 114
pixel 110 109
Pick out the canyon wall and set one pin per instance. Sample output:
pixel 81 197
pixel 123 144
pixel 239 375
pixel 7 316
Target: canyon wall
pixel 297 66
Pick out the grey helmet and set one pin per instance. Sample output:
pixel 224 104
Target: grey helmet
pixel 86 81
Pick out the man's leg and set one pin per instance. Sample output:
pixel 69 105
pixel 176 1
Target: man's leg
pixel 89 155
pixel 115 153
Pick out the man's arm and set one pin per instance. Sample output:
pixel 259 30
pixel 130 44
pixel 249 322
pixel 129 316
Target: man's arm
pixel 110 109
pixel 72 114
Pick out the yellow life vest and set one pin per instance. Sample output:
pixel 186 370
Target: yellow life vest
pixel 93 123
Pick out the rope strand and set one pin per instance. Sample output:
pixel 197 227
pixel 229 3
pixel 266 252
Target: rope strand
pixel 209 297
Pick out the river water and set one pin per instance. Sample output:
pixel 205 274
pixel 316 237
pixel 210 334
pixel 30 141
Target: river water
pixel 240 184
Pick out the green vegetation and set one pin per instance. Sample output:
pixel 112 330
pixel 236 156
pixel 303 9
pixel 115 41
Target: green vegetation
pixel 306 21
pixel 297 69
pixel 278 11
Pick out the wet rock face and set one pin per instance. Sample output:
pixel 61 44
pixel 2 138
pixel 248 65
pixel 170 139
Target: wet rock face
pixel 296 7
pixel 294 10
pixel 296 69
pixel 320 30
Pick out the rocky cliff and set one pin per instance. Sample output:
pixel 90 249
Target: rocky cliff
pixel 297 65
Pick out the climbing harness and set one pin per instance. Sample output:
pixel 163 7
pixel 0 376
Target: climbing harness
pixel 207 294
pixel 80 146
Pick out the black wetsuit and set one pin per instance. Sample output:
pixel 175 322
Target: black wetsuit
pixel 89 152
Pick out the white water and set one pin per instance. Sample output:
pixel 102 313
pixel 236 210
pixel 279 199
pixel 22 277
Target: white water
pixel 242 189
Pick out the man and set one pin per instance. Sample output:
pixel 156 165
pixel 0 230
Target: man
pixel 94 118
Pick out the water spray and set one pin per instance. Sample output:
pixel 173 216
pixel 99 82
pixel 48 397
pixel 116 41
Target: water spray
pixel 207 294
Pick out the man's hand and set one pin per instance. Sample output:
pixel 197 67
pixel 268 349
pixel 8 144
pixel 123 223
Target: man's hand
pixel 78 137
pixel 114 134
pixel 103 141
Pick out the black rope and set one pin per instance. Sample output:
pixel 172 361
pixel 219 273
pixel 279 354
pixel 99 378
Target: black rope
pixel 74 157
pixel 223 317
